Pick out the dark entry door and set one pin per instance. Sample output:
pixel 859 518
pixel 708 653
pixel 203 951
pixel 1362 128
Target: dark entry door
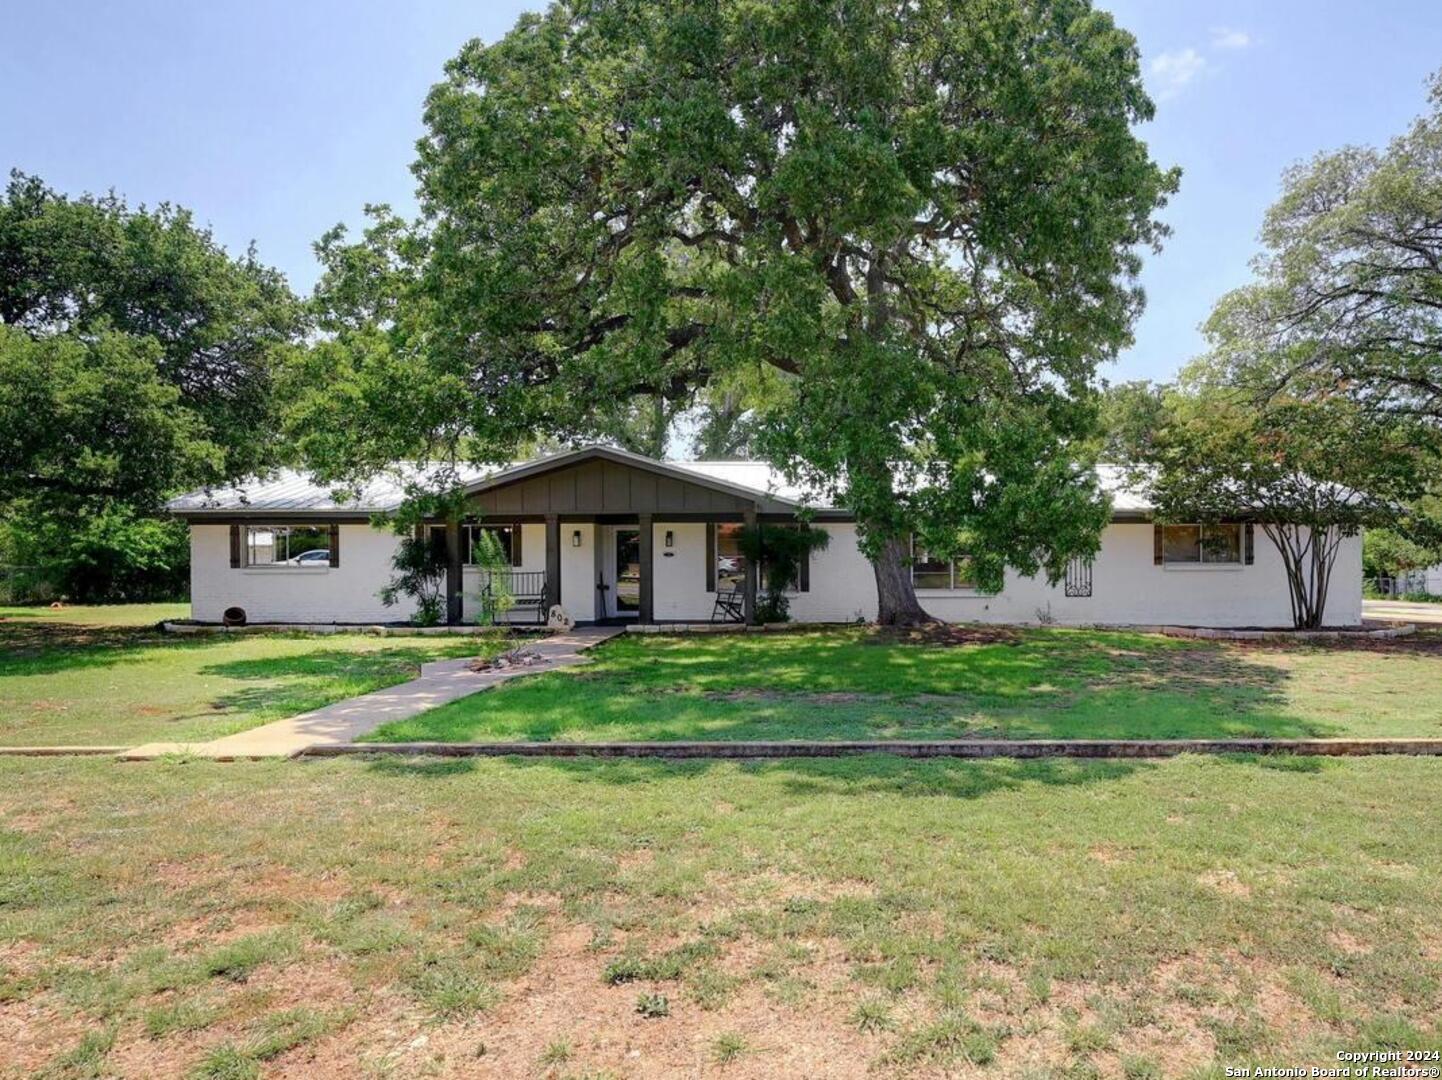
pixel 628 570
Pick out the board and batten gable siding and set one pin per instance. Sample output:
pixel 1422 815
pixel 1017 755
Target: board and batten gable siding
pixel 340 594
pixel 603 487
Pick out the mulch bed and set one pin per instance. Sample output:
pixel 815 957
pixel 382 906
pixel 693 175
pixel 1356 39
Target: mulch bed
pixel 506 661
pixel 943 634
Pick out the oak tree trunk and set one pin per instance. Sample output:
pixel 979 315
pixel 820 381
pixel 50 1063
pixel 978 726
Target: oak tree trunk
pixel 895 595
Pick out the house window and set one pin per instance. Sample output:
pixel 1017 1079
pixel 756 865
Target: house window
pixel 930 571
pixel 1202 544
pixel 507 537
pixel 730 562
pixel 287 545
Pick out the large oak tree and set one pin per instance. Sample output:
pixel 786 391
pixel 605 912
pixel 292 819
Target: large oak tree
pixel 137 359
pixel 925 216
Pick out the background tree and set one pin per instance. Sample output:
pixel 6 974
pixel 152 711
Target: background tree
pixel 1349 288
pixel 1131 415
pixel 1389 553
pixel 924 218
pixel 1310 469
pixel 136 360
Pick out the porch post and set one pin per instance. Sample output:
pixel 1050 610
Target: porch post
pixel 553 559
pixel 453 571
pixel 748 593
pixel 648 536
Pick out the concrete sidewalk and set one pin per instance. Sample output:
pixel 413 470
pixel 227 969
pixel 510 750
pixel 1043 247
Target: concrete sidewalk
pixel 440 682
pixel 1422 614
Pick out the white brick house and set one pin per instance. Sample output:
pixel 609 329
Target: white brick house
pixel 615 536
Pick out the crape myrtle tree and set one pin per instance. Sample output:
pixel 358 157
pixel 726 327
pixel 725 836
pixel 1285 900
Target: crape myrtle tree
pixel 1308 465
pixel 926 218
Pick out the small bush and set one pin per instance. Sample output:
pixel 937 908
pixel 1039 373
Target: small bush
pixel 653 1006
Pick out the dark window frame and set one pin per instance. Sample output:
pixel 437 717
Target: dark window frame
pixel 325 538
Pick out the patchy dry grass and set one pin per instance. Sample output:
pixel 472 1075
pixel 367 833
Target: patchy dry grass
pixel 839 918
pixel 849 684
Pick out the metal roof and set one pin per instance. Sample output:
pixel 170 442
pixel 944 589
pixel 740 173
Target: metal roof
pixel 293 491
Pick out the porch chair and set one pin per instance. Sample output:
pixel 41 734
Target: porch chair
pixel 730 606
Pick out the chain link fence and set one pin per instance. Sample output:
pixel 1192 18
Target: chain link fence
pixel 1412 585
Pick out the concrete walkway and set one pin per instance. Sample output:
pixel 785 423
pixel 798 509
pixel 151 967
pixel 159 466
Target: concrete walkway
pixel 345 721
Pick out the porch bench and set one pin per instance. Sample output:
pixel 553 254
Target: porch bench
pixel 528 590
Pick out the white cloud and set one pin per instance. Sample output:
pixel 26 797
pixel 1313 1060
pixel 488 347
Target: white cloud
pixel 1171 71
pixel 1224 37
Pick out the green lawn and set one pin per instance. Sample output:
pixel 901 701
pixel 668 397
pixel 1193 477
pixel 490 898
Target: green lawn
pixel 858 917
pixel 94 614
pixel 841 684
pixel 105 676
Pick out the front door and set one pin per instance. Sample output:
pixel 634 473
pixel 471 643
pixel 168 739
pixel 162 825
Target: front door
pixel 620 584
pixel 628 572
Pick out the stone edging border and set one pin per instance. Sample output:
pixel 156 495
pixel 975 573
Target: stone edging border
pixel 1205 632
pixel 372 629
pixel 936 748
pixel 61 751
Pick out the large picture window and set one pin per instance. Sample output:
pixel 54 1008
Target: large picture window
pixel 730 562
pixel 507 537
pixel 930 571
pixel 1202 544
pixel 287 545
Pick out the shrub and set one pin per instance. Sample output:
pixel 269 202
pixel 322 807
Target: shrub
pixel 418 570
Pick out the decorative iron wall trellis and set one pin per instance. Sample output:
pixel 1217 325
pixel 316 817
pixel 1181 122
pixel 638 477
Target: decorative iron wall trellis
pixel 1079 577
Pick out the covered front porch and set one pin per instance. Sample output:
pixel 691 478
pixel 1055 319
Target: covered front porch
pixel 614 568
pixel 611 537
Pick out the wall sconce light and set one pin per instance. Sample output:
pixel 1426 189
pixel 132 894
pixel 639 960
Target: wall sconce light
pixel 575 537
pixel 670 538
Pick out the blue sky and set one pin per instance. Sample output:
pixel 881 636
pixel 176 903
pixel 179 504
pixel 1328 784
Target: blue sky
pixel 274 119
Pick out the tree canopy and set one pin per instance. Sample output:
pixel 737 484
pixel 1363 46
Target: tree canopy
pixel 137 358
pixel 926 220
pixel 1349 287
pixel 1309 468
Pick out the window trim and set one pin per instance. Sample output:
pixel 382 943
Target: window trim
pixel 713 570
pixel 243 548
pixel 968 589
pixel 468 545
pixel 1202 563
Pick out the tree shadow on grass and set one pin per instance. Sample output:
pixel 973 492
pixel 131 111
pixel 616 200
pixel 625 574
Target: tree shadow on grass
pixel 41 649
pixel 1081 686
pixel 877 774
pixel 860 774
pixel 305 678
